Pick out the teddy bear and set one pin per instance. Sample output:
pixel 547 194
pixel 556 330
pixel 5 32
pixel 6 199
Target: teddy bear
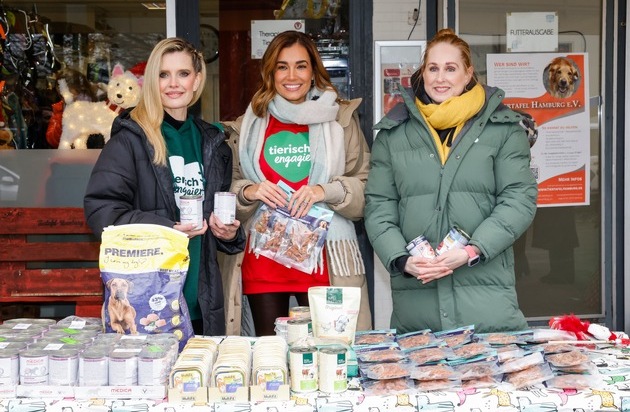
pixel 83 121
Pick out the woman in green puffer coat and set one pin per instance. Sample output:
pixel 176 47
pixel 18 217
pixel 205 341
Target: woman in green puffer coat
pixel 451 155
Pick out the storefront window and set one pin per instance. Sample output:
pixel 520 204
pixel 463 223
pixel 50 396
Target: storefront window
pixel 558 260
pixel 58 58
pixel 56 54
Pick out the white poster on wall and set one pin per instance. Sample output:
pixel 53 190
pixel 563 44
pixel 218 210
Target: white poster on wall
pixel 553 89
pixel 532 32
pixel 263 31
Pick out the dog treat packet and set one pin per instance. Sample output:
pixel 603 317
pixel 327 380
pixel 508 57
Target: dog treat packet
pixel 334 312
pixel 295 243
pixel 305 241
pixel 143 268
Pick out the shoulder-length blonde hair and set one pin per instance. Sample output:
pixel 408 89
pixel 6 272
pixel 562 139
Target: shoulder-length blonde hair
pixel 149 113
pixel 267 91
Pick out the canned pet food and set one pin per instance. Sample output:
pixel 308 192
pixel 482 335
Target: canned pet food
pixel 9 366
pixel 298 328
pixel 420 246
pixel 454 239
pixel 33 367
pixel 303 368
pixel 153 366
pixel 63 367
pixel 333 369
pixel 282 327
pixel 28 322
pixel 191 210
pixel 300 312
pixel 123 367
pixel 225 207
pixel 26 329
pixel 94 366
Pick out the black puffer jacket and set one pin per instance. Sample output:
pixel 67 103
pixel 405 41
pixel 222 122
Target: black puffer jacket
pixel 126 187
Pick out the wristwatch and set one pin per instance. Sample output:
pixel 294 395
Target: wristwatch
pixel 473 257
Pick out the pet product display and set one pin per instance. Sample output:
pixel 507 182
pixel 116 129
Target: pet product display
pixel 334 312
pixel 191 210
pixel 232 369
pixel 225 207
pixel 299 328
pixel 9 366
pixel 420 246
pixel 269 363
pixel 193 367
pixel 454 239
pixel 300 312
pixel 303 368
pixel 333 369
pixel 143 268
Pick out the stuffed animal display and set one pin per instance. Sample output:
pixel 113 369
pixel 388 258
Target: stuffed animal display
pixel 83 120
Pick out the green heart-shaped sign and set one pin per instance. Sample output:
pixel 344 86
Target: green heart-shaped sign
pixel 289 155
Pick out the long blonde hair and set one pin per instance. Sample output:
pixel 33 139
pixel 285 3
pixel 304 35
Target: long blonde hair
pixel 267 91
pixel 149 113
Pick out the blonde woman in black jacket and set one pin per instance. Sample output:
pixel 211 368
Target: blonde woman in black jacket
pixel 158 152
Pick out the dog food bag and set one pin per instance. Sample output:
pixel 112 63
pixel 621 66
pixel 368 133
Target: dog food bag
pixel 334 312
pixel 143 268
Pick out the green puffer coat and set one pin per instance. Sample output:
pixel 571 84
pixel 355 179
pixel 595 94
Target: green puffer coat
pixel 485 187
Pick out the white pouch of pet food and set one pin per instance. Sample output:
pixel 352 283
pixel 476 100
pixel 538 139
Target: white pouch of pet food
pixel 143 268
pixel 334 312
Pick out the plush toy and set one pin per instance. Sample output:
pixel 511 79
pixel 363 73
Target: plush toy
pixel 82 120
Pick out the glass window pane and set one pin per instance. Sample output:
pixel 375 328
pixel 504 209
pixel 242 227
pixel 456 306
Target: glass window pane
pixel 557 261
pixel 57 54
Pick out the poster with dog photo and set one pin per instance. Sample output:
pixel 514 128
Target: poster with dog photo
pixel 553 89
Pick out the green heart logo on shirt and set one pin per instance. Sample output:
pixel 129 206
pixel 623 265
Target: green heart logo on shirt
pixel 289 155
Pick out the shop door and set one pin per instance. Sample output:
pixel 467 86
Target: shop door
pixel 558 261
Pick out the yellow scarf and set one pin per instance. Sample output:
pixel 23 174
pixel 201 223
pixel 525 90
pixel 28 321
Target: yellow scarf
pixel 453 112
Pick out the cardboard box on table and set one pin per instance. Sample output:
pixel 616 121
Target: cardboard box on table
pixel 88 392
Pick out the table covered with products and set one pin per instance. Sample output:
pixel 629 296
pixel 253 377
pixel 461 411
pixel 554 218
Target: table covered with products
pixel 458 370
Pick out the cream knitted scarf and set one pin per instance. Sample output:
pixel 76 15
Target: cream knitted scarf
pixel 326 140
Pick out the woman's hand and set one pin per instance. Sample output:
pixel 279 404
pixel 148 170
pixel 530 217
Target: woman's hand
pixel 453 258
pixel 426 270
pixel 269 193
pixel 189 229
pixel 222 231
pixel 304 198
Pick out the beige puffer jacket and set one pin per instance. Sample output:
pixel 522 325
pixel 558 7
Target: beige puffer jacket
pixel 346 198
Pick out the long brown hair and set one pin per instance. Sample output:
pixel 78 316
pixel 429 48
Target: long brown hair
pixel 445 36
pixel 267 91
pixel 149 113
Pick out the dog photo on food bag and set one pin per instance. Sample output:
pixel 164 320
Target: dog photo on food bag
pixel 122 315
pixel 561 77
